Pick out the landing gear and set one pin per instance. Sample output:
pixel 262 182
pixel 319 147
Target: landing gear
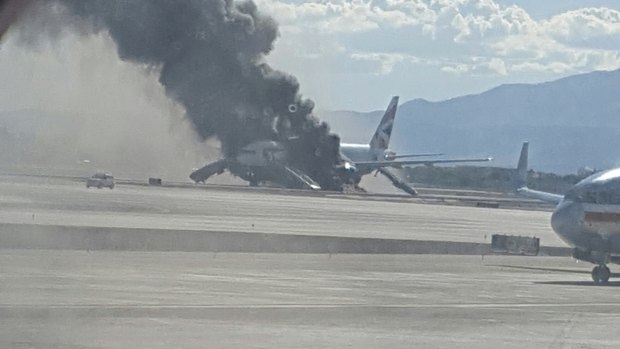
pixel 600 274
pixel 251 177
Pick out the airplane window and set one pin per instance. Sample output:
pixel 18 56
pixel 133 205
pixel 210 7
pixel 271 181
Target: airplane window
pixel 590 197
pixel 602 198
pixel 613 198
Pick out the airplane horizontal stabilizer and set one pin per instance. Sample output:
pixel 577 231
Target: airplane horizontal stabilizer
pixel 540 195
pixel 379 164
pixel 420 155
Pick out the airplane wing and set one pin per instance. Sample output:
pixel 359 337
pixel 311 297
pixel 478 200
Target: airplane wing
pixel 379 164
pixel 540 195
pixel 203 173
pixel 398 182
pixel 394 157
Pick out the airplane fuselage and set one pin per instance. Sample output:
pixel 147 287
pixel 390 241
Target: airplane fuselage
pixel 361 153
pixel 263 161
pixel 588 218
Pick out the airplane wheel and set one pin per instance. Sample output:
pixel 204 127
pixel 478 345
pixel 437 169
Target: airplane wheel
pixel 600 274
pixel 595 275
pixel 604 274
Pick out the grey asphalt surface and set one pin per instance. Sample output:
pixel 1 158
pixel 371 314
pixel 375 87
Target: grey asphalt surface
pixel 57 202
pixel 76 299
pixel 155 299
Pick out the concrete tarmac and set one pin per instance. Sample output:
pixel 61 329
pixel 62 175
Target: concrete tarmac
pixel 77 299
pixel 162 299
pixel 57 202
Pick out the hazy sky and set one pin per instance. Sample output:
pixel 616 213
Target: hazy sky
pixel 355 54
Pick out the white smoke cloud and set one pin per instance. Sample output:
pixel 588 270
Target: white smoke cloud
pixel 96 107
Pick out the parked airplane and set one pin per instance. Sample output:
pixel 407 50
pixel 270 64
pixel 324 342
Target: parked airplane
pixel 587 217
pixel 376 155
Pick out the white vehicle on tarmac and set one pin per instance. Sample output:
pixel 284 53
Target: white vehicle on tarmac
pixel 100 180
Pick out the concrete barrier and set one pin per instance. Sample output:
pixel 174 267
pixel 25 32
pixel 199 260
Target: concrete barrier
pixel 487 204
pixel 33 236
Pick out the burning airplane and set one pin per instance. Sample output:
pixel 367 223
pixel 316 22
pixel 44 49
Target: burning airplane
pixel 259 162
pixel 210 57
pixel 268 161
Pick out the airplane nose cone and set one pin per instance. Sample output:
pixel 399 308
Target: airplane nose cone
pixel 558 218
pixel 565 221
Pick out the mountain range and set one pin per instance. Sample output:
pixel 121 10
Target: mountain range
pixel 570 123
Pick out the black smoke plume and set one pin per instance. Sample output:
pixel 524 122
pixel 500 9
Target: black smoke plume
pixel 211 57
pixel 10 10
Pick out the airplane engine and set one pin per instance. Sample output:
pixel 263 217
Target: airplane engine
pixel 389 155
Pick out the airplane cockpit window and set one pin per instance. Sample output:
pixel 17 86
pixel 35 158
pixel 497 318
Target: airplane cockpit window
pixel 573 195
pixel 600 197
pixel 608 198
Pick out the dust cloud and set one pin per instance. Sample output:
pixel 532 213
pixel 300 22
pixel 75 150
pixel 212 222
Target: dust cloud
pixel 75 106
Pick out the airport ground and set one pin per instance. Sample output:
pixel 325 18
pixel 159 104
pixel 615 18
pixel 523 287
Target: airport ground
pixel 187 267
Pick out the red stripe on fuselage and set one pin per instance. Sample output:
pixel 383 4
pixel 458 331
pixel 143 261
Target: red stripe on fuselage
pixel 602 217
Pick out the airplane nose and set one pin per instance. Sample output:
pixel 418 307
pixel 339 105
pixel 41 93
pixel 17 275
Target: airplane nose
pixel 565 221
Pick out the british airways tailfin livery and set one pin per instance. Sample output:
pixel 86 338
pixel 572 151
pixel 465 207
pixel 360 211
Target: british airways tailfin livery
pixel 376 155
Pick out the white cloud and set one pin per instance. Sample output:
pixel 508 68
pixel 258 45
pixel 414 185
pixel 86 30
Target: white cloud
pixel 504 35
pixel 583 24
pixel 497 66
pixel 477 66
pixel 534 67
pixel 457 69
pixel 337 16
pixel 386 61
pixel 477 43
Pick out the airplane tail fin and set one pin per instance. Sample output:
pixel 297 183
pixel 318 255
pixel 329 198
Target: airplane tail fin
pixel 381 139
pixel 521 181
pixel 521 172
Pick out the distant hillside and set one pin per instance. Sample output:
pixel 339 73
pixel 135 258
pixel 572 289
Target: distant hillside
pixel 570 122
